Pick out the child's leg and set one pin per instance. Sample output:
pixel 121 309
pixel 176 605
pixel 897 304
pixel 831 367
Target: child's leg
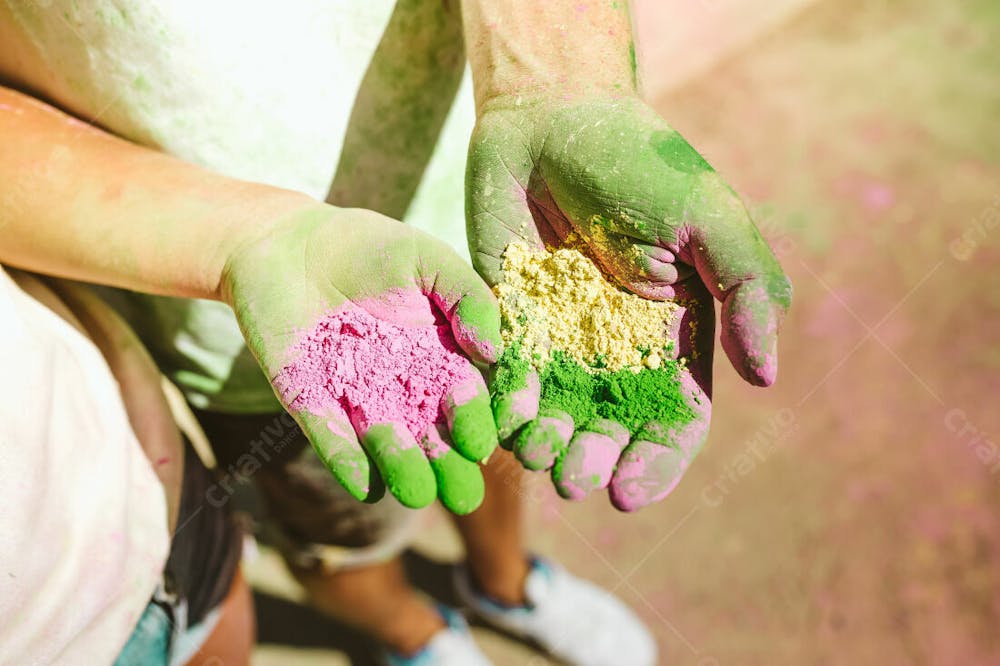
pixel 493 534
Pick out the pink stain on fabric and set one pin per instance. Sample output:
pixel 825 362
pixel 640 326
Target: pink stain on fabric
pixel 374 371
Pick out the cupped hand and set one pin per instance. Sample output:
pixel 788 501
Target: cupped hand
pixel 368 330
pixel 610 176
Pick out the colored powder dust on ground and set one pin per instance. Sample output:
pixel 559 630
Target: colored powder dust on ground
pixel 388 373
pixel 600 352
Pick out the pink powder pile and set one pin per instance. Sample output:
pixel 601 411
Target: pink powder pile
pixel 374 371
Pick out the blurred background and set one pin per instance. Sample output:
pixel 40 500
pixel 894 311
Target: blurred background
pixel 849 514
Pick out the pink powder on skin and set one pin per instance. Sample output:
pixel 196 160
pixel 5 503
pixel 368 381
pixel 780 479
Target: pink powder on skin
pixel 374 371
pixel 593 465
pixel 525 401
pixel 591 459
pixel 648 471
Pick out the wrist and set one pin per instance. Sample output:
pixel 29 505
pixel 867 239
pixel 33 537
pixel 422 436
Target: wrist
pixel 267 213
pixel 560 49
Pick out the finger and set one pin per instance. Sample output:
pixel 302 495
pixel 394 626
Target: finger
pixel 460 482
pixel 647 270
pixel 334 441
pixel 589 461
pixel 471 310
pixel 653 290
pixel 496 182
pixel 738 267
pixel 516 391
pixel 467 410
pixel 654 263
pixel 540 442
pixel 401 462
pixel 750 322
pixel 653 464
pixel 695 332
pixel 647 472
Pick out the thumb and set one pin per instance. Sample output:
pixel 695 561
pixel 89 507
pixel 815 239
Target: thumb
pixel 736 264
pixel 497 209
pixel 471 309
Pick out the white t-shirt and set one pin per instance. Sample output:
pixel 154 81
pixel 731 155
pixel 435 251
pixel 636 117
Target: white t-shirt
pixel 83 517
pixel 253 90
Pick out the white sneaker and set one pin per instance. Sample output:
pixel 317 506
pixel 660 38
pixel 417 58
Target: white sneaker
pixel 452 646
pixel 570 618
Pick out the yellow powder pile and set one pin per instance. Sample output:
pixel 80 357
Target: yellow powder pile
pixel 560 301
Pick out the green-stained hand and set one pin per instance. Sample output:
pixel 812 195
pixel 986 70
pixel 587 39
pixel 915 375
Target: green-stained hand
pixel 326 260
pixel 612 175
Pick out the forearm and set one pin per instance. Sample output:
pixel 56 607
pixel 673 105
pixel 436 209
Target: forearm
pixel 566 47
pixel 79 203
pixel 400 108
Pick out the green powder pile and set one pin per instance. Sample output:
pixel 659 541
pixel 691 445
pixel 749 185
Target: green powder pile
pixel 633 399
pixel 511 371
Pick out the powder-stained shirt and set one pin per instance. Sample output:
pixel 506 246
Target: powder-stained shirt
pixel 83 517
pixel 257 91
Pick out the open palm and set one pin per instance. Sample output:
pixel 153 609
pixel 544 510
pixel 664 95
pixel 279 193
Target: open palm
pixel 657 220
pixel 353 284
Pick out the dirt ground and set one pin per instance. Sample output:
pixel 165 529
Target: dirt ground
pixel 848 515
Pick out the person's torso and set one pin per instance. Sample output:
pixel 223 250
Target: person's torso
pixel 256 91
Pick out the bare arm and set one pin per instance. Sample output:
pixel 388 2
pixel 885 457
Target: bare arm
pixel 400 109
pixel 77 202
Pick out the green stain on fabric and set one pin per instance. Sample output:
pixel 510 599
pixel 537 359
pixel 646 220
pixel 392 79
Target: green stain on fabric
pixel 632 399
pixel 117 18
pixel 678 153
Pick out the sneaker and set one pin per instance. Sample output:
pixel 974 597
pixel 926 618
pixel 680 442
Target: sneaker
pixel 452 646
pixel 569 618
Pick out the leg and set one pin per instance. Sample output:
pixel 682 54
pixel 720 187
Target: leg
pixel 567 616
pixel 493 534
pixel 377 600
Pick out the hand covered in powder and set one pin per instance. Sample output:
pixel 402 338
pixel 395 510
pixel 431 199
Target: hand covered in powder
pixel 610 177
pixel 368 330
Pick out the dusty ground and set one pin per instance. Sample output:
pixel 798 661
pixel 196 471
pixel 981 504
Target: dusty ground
pixel 849 514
